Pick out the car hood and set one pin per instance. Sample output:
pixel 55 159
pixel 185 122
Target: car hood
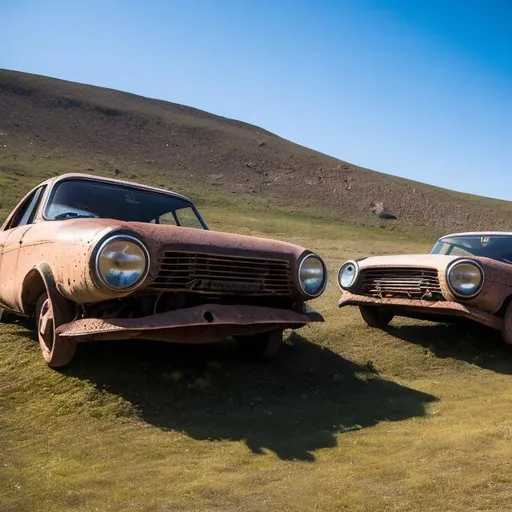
pixel 435 261
pixel 165 237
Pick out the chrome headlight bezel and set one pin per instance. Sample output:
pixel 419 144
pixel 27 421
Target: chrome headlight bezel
pixel 472 263
pixel 95 260
pixel 356 274
pixel 324 280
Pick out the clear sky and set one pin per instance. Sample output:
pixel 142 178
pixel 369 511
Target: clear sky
pixel 415 88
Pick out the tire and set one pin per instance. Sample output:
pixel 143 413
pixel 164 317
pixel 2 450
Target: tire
pixel 263 345
pixel 376 316
pixel 57 352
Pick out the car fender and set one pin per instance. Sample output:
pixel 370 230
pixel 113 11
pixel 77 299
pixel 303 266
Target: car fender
pixel 40 279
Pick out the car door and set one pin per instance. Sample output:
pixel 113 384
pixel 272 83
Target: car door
pixel 10 242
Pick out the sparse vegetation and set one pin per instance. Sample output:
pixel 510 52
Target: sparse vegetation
pixel 417 418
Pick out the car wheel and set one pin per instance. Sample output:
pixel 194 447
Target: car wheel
pixel 57 352
pixel 376 316
pixel 264 345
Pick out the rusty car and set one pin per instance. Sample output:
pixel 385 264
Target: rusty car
pixel 85 257
pixel 466 276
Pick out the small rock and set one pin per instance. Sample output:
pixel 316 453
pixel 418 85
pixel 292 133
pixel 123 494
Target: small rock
pixel 381 211
pixel 386 214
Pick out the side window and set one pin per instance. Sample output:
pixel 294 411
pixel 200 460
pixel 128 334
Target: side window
pixel 167 218
pixel 187 218
pixel 25 215
pixel 459 251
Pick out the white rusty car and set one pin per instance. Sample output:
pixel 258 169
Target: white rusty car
pixel 465 275
pixel 94 258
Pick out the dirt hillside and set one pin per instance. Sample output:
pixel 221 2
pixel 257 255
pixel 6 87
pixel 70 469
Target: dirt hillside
pixel 49 125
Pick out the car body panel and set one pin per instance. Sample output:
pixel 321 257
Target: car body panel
pixel 76 238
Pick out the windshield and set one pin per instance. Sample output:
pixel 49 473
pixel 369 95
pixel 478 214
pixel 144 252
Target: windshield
pixel 95 199
pixel 496 247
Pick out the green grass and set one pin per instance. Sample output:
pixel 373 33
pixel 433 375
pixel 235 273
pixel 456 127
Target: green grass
pixel 348 418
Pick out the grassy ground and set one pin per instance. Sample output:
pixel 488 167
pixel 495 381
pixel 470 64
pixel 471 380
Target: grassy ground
pixel 348 418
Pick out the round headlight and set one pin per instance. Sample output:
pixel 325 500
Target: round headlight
pixel 465 278
pixel 312 275
pixel 122 262
pixel 347 274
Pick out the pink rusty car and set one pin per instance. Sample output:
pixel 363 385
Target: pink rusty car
pixel 466 275
pixel 93 258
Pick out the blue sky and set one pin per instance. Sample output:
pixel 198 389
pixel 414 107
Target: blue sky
pixel 415 88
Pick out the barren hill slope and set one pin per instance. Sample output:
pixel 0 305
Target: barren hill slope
pixel 49 125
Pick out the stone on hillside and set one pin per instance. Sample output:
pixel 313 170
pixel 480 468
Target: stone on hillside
pixel 381 211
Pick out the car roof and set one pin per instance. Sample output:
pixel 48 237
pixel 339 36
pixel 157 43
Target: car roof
pixel 478 233
pixel 78 175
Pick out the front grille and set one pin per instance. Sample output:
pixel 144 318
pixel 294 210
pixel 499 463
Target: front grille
pixel 213 273
pixel 409 283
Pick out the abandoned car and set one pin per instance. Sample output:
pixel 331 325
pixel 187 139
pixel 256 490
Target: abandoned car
pixel 466 275
pixel 93 258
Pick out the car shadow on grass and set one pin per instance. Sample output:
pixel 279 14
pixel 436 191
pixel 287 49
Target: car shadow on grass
pixel 292 406
pixel 464 341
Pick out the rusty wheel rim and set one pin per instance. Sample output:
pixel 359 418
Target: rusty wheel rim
pixel 46 326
